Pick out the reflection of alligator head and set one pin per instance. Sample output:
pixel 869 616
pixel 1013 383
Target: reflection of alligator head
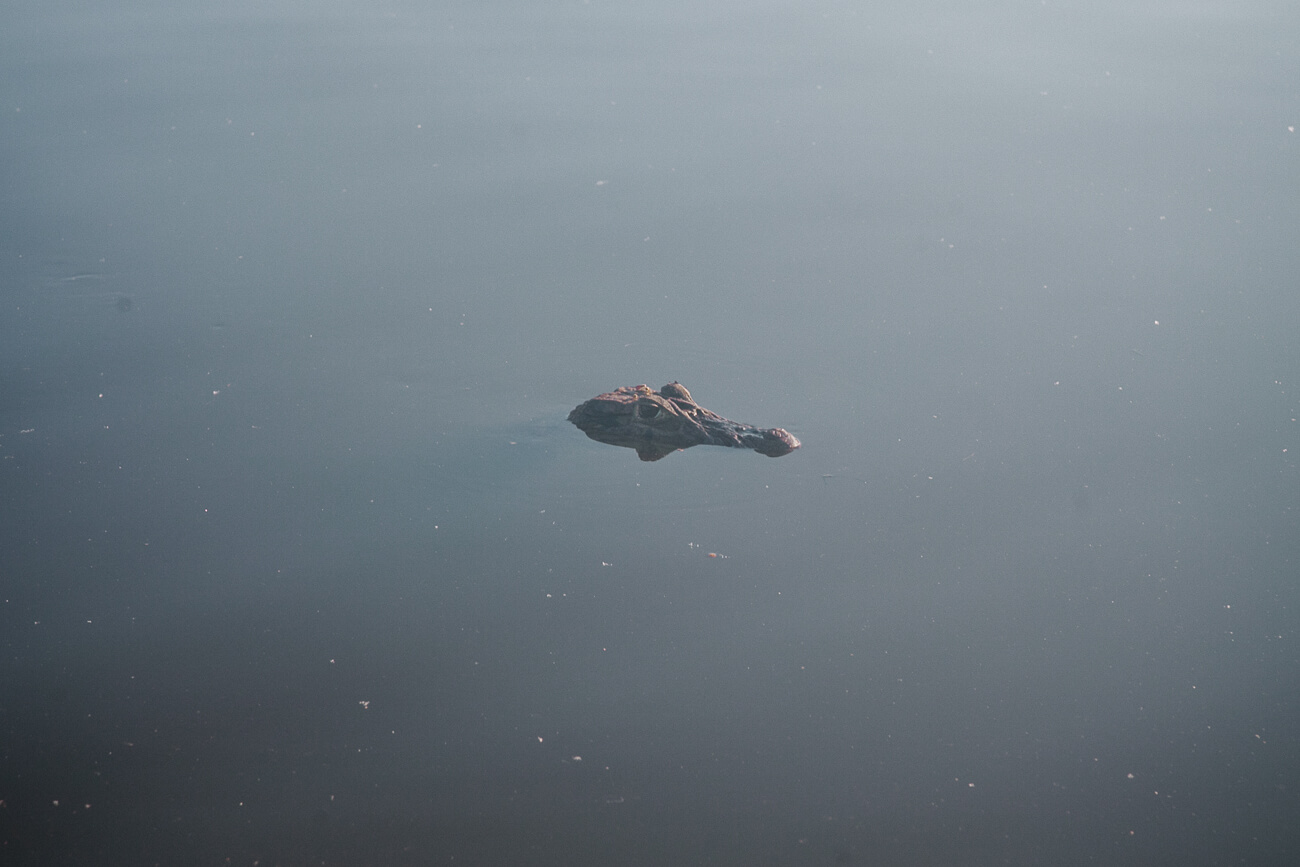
pixel 658 423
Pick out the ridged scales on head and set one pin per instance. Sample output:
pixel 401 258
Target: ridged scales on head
pixel 658 423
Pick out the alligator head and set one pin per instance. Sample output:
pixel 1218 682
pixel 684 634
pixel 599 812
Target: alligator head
pixel 658 423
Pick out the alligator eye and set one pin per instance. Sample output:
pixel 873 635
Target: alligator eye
pixel 647 410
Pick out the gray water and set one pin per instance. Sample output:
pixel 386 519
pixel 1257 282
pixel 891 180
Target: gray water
pixel 300 562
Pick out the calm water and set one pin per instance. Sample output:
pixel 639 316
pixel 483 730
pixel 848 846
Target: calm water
pixel 301 563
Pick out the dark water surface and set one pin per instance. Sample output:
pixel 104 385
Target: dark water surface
pixel 301 564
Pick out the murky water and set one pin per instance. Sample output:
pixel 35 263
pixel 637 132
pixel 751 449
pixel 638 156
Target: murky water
pixel 302 563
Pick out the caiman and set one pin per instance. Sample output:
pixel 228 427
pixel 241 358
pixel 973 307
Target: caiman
pixel 658 423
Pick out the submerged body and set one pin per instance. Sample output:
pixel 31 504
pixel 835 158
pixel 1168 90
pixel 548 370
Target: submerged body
pixel 658 423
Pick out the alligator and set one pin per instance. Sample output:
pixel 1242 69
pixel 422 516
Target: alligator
pixel 658 423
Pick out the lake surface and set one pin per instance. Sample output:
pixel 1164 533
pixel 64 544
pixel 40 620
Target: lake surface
pixel 302 564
